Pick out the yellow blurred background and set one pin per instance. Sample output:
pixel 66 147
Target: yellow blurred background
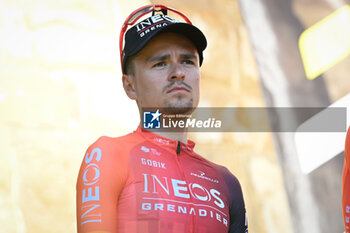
pixel 60 89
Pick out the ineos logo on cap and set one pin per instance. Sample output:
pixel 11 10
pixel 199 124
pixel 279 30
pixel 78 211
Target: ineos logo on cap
pixel 156 19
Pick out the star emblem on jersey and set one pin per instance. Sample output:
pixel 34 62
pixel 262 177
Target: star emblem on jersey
pixel 151 120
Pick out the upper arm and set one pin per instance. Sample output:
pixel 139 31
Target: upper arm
pixel 346 182
pixel 347 148
pixel 100 181
pixel 238 220
pixel 346 166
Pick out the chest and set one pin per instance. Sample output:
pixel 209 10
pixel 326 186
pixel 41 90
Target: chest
pixel 178 189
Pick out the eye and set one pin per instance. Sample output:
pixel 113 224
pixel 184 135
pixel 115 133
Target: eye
pixel 159 64
pixel 188 62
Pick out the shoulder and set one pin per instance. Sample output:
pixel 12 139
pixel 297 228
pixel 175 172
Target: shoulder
pixel 230 179
pixel 347 149
pixel 115 144
pixel 109 156
pixel 111 151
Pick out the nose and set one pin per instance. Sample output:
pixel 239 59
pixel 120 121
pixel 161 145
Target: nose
pixel 177 73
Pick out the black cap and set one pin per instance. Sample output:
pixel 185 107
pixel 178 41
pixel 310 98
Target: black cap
pixel 137 37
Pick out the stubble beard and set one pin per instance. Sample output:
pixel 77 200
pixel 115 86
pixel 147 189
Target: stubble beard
pixel 179 106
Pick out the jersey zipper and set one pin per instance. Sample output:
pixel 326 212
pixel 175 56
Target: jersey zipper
pixel 178 148
pixel 178 151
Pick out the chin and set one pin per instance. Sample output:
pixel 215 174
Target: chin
pixel 180 107
pixel 180 110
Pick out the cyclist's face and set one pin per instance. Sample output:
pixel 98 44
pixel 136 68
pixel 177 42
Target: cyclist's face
pixel 166 73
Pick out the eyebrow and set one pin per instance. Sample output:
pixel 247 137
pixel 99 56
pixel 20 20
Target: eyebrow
pixel 188 56
pixel 159 58
pixel 167 56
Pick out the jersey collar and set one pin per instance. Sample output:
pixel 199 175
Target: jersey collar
pixel 163 141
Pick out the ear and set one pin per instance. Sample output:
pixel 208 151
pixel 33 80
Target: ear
pixel 129 86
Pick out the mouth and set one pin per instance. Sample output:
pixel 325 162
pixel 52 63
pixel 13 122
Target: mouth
pixel 178 89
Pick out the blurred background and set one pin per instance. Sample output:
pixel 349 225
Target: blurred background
pixel 60 89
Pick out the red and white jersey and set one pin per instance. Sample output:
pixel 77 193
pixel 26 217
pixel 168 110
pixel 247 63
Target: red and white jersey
pixel 143 182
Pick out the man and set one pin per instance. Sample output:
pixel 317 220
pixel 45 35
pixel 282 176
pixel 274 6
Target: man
pixel 154 182
pixel 346 184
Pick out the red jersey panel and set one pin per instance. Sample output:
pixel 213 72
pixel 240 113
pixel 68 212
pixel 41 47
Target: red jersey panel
pixel 346 184
pixel 143 182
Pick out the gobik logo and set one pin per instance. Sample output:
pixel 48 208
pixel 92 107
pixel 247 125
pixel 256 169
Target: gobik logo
pixel 151 120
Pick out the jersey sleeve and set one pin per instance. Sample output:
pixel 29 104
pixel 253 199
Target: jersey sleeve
pixel 238 218
pixel 346 184
pixel 100 180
